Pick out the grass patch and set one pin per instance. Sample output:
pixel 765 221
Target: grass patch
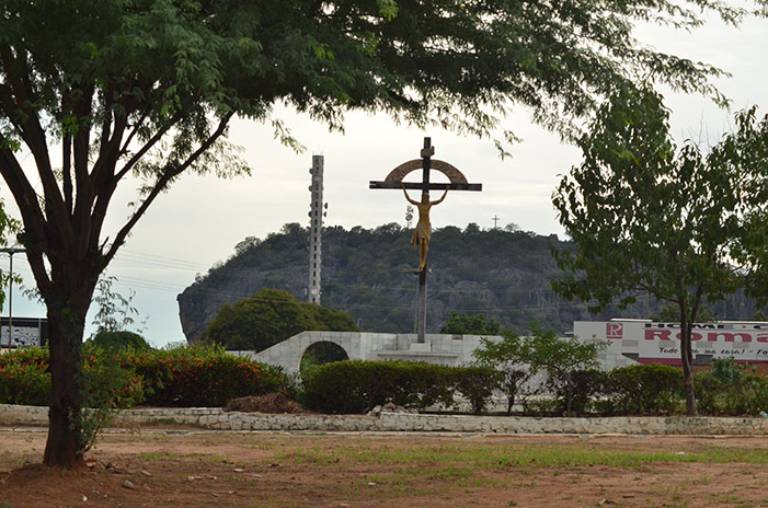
pixel 197 457
pixel 479 457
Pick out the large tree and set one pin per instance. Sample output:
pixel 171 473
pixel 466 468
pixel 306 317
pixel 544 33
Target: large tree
pixel 99 91
pixel 648 216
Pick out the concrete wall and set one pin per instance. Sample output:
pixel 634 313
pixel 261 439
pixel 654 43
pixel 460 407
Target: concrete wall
pixel 216 419
pixel 439 348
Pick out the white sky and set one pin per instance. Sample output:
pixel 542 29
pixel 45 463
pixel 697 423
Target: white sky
pixel 202 218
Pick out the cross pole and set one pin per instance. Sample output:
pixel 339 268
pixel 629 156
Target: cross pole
pixel 425 186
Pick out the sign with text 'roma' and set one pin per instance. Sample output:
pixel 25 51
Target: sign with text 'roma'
pixel 656 342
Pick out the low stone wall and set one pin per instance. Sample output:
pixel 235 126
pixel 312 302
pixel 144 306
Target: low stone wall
pixel 216 419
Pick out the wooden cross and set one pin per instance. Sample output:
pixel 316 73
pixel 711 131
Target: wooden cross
pixel 457 181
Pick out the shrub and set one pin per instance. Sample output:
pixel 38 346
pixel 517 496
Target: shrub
pixel 584 387
pixel 357 386
pixel 731 389
pixel 194 376
pixel 476 384
pixel 201 376
pixel 644 390
pixel 24 379
pixel 24 383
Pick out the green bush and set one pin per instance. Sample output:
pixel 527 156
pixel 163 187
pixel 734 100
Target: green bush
pixel 731 389
pixel 205 376
pixel 190 376
pixel 476 384
pixel 357 386
pixel 24 383
pixel 584 387
pixel 24 379
pixel 643 390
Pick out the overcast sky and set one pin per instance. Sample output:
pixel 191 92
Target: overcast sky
pixel 200 220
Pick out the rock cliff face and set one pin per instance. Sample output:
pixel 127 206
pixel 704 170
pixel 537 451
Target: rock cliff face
pixel 370 273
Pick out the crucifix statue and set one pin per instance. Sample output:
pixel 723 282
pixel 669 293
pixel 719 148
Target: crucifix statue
pixel 423 232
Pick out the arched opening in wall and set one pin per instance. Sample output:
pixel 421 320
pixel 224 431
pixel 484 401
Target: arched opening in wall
pixel 322 352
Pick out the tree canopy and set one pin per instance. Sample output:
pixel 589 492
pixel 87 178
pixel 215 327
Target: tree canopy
pixel 647 216
pixel 271 316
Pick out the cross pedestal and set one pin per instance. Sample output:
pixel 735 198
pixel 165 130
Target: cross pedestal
pixel 457 181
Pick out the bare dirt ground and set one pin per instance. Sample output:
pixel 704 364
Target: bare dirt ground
pixel 185 467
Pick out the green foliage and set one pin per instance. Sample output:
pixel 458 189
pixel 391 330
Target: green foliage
pixel 356 386
pixel 269 317
pixel 119 340
pixel 565 362
pixel 476 384
pixel 470 324
pixel 201 376
pixel 644 390
pixel 560 360
pixel 647 216
pixel 116 312
pixel 513 358
pixel 670 313
pixel 115 379
pixel 731 389
pixel 108 386
pixel 24 383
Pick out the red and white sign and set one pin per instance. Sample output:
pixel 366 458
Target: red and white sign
pixel 655 342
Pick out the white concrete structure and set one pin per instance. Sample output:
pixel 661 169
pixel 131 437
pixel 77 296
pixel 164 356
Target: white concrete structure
pixel 439 348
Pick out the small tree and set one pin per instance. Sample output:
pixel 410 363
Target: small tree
pixel 470 324
pixel 562 359
pixel 649 217
pixel 518 359
pixel 512 358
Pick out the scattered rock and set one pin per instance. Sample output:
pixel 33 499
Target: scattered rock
pixel 606 502
pixel 145 472
pixel 269 403
pixel 371 484
pixel 85 499
pixel 239 470
pixel 376 411
pixel 128 484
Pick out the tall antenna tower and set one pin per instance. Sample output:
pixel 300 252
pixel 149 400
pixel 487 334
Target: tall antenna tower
pixel 316 214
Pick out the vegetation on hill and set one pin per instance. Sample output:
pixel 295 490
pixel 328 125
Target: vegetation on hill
pixel 503 274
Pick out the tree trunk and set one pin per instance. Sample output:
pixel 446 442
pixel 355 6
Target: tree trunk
pixel 66 323
pixel 510 401
pixel 686 356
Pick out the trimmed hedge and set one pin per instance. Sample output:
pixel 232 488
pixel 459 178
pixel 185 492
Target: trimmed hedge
pixel 644 390
pixel 183 377
pixel 356 386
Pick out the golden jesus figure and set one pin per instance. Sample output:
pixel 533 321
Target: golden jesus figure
pixel 423 231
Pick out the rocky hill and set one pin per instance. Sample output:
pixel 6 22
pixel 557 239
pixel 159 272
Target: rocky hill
pixel 370 273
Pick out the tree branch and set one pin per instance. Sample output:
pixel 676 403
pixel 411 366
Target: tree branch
pixel 170 173
pixel 33 135
pixel 36 239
